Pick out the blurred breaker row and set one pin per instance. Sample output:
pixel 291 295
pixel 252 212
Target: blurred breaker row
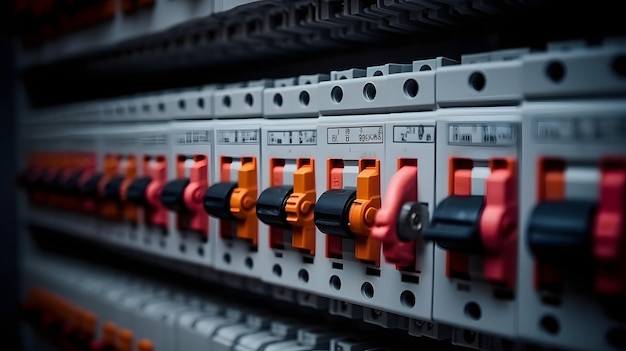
pixel 480 201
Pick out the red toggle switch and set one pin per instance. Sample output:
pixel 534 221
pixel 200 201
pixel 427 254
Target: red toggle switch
pixel 609 237
pixel 276 179
pixel 158 174
pixel 498 223
pixel 194 195
pixel 402 188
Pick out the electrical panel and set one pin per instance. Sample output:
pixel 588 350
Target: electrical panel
pixel 477 202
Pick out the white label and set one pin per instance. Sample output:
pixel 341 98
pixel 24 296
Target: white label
pixel 292 137
pixel 245 136
pixel 496 134
pixel 584 129
pixel 193 137
pixel 414 134
pixel 355 135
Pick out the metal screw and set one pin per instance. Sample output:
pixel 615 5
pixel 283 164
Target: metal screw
pixel 415 222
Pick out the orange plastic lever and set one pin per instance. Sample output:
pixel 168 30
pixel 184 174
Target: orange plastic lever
pixel 498 223
pixel 609 233
pixel 363 211
pixel 243 200
pixel 130 172
pixel 300 206
pixel 402 188
pixel 124 341
pixel 145 345
pixel 194 195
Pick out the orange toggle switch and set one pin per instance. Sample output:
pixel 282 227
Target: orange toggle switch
pixel 145 345
pixel 402 188
pixel 363 211
pixel 158 173
pixel 194 194
pixel 109 334
pixel 300 206
pixel 109 209
pixel 609 237
pixel 243 200
pixel 459 183
pixel 124 341
pixel 130 173
pixel 498 223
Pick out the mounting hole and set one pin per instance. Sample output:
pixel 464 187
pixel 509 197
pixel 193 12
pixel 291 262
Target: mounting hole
pixel 367 290
pixel 425 68
pixel 145 108
pixel 407 299
pixel 335 283
pixel 549 324
pixel 249 263
pixel 303 275
pixel 411 88
pixel 369 92
pixel 226 101
pixel 226 258
pixel 619 65
pixel 182 248
pixel 200 251
pixel 305 98
pixel 616 337
pixel 336 94
pixel 249 99
pixel 555 70
pixel 378 73
pixel 469 336
pixel 472 310
pixel 277 270
pixel 477 81
pixel 278 100
pixel 181 104
pixel 200 103
pixel 161 107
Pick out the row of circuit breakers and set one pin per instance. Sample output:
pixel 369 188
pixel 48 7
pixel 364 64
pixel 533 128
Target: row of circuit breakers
pixel 487 195
pixel 91 308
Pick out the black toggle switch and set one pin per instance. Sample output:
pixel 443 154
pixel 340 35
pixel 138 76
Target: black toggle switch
pixel 90 187
pixel 217 200
pixel 48 180
pixel 112 188
pixel 172 196
pixel 332 212
pixel 560 231
pixel 69 185
pixel 270 207
pixel 455 224
pixel 136 192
